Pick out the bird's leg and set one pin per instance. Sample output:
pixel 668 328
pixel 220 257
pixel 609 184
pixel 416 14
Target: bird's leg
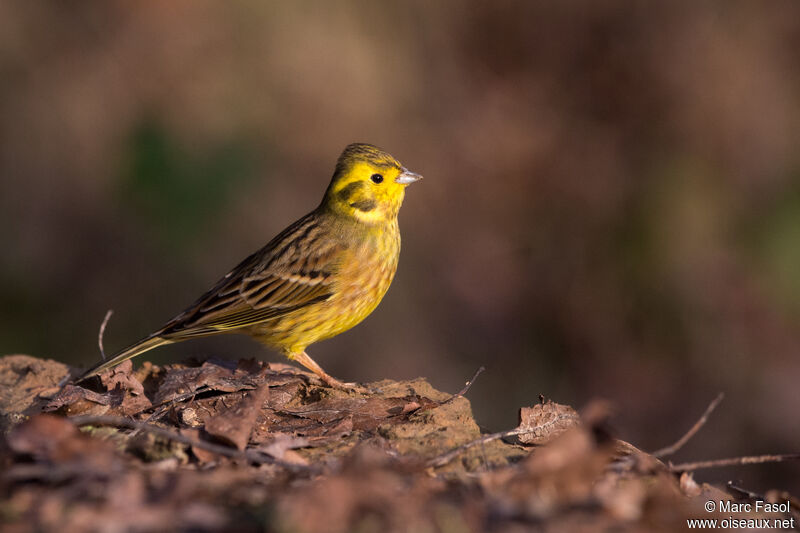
pixel 306 361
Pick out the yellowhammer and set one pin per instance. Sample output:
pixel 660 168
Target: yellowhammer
pixel 319 277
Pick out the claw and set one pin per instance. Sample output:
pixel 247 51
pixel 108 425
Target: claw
pixel 347 387
pixel 326 378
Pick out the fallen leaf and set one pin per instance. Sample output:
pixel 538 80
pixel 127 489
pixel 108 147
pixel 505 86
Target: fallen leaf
pixel 320 435
pixel 235 425
pixel 281 447
pixel 40 436
pixel 689 486
pixel 544 421
pixel 180 381
pixel 203 455
pixel 61 450
pixel 367 413
pixel 280 395
pixel 122 376
pixel 74 400
pixel 215 375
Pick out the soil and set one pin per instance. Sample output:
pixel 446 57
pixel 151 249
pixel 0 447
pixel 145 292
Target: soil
pixel 250 446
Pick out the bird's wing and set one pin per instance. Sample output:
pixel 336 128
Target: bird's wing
pixel 293 271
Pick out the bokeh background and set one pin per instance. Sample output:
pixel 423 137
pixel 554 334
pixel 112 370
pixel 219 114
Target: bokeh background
pixel 611 205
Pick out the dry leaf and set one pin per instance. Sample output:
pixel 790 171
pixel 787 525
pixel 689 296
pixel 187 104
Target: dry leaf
pixel 689 486
pixel 281 447
pixel 73 400
pixel 235 425
pixel 544 421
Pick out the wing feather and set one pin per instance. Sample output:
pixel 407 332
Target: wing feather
pixel 284 276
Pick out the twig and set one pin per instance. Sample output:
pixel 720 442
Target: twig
pixel 101 420
pixel 178 399
pixel 102 331
pixel 443 459
pixel 226 451
pixel 66 379
pixel 163 407
pixel 469 383
pixel 446 457
pixel 51 473
pixel 734 461
pixel 466 388
pixel 744 492
pixel 669 450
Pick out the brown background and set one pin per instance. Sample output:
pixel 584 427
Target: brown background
pixel 611 205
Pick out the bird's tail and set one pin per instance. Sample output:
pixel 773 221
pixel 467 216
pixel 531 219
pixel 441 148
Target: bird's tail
pixel 148 343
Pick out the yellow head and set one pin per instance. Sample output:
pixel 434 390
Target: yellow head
pixel 368 184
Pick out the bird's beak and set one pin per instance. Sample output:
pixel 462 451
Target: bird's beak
pixel 406 177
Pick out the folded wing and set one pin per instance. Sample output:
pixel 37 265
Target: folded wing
pixel 293 271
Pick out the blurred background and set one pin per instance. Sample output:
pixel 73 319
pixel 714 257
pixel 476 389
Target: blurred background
pixel 611 205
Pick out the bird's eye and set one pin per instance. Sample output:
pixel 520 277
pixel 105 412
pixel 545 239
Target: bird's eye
pixel 376 178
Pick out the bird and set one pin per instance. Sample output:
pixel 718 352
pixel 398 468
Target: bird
pixel 319 277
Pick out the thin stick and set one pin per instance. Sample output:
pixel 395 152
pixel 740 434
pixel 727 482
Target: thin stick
pixel 163 407
pixel 226 451
pixel 734 461
pixel 466 388
pixel 469 383
pixel 669 450
pixel 748 493
pixel 443 459
pixel 177 399
pixel 102 331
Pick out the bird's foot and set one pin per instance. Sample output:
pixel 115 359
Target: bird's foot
pixel 334 383
pixel 326 378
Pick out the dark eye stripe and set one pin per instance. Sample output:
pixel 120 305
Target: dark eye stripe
pixel 347 192
pixel 365 205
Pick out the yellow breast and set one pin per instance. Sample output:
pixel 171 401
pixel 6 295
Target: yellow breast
pixel 366 269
